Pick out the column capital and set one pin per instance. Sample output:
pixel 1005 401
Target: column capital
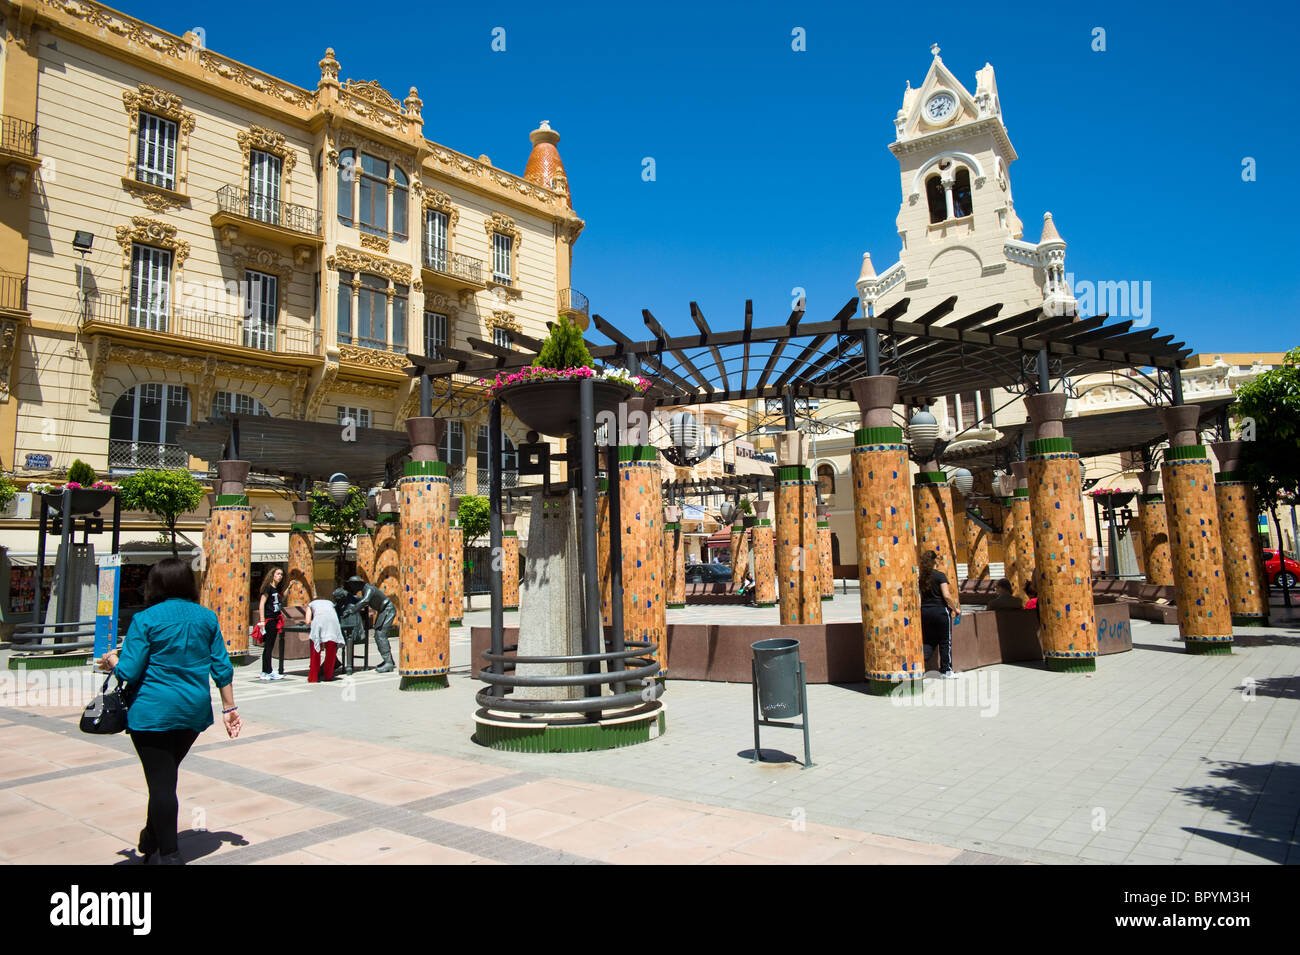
pixel 791 449
pixel 231 476
pixel 1046 412
pixel 425 435
pixel 1181 422
pixel 1021 470
pixel 1229 454
pixel 875 395
pixel 1150 481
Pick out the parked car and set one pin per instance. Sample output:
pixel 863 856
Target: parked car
pixel 1273 569
pixel 708 573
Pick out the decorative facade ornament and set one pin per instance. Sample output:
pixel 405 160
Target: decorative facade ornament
pixel 372 102
pixel 268 141
pixel 159 102
pixel 127 28
pixel 499 222
pixel 410 406
pixel 328 373
pixel 261 259
pixel 503 319
pixel 156 200
pixel 371 358
pixel 348 139
pixel 367 389
pixel 329 69
pixel 8 346
pixel 257 81
pixel 150 232
pixel 374 242
pixel 353 260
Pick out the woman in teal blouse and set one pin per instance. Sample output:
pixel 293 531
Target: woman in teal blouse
pixel 170 651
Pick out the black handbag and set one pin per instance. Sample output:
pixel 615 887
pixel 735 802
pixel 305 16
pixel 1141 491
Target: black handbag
pixel 107 711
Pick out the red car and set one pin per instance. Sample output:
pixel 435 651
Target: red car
pixel 1273 569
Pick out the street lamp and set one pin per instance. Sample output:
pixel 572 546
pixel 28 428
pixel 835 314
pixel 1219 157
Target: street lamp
pixel 923 429
pixel 82 242
pixel 963 481
pixel 338 487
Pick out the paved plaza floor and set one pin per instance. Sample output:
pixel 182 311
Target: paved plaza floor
pixel 1158 757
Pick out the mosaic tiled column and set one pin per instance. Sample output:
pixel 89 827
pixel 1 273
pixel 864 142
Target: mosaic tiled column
pixel 763 539
pixel 1021 530
pixel 455 565
pixel 1066 616
pixel 825 570
pixel 230 551
pixel 1153 524
pixel 739 549
pixel 641 510
pixel 799 589
pixel 886 538
pixel 960 552
pixel 366 552
pixel 423 608
pixel 1200 585
pixel 602 552
pixel 674 557
pixel 933 509
pixel 977 550
pixel 387 529
pixel 209 534
pixel 509 563
pixel 302 557
pixel 1239 534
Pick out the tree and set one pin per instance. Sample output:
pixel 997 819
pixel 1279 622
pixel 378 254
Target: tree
pixel 339 524
pixel 1268 414
pixel 82 473
pixel 165 493
pixel 474 517
pixel 563 348
pixel 8 490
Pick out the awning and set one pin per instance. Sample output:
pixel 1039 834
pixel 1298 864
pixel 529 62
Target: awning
pixel 719 539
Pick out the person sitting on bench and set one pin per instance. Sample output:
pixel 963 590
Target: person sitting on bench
pixel 1006 598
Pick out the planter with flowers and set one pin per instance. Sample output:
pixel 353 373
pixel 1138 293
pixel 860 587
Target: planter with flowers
pixel 85 499
pixel 544 395
pixel 1112 498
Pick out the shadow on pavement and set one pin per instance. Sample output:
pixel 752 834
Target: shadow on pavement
pixel 1262 798
pixel 192 844
pixel 771 756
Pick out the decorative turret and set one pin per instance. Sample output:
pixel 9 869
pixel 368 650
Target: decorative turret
pixel 1057 297
pixel 545 168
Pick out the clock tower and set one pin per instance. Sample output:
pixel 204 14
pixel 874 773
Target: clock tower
pixel 957 221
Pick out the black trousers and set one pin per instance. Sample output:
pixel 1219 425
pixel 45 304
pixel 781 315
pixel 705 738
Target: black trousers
pixel 160 754
pixel 936 630
pixel 269 634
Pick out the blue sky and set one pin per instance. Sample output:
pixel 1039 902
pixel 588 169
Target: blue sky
pixel 771 165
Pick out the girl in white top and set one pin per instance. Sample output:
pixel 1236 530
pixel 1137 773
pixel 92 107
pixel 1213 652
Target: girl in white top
pixel 326 635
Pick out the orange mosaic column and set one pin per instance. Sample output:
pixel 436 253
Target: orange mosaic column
pixel 230 552
pixel 674 557
pixel 509 563
pixel 366 553
pixel 960 552
pixel 886 538
pixel 641 510
pixel 764 542
pixel 1153 525
pixel 933 508
pixel 739 550
pixel 1022 531
pixel 797 563
pixel 302 557
pixel 455 566
pixel 825 569
pixel 1066 615
pixel 602 552
pixel 1200 585
pixel 386 554
pixel 1239 534
pixel 977 551
pixel 423 607
pixel 209 534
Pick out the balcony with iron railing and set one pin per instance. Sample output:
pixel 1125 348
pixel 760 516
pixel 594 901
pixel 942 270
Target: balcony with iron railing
pixel 509 479
pixel 452 268
pixel 239 210
pixel 107 312
pixel 146 454
pixel 18 137
pixel 13 292
pixel 571 303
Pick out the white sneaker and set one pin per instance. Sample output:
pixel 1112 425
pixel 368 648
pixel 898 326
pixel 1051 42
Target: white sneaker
pixel 275 675
pixel 948 675
pixel 264 677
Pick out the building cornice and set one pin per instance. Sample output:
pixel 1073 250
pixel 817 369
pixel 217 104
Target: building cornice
pixel 952 134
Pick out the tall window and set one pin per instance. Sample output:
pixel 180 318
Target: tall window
pixel 372 302
pixel 435 240
pixel 961 204
pixel 231 402
pixel 826 478
pixel 373 212
pixel 264 186
pixel 151 275
pixel 261 310
pixel 970 410
pixel 360 417
pixel 400 297
pixel 347 175
pixel 401 199
pixel 156 153
pixel 509 461
pixel 435 333
pixel 501 337
pixel 367 323
pixel 935 199
pixel 142 429
pixel 502 250
pixel 452 448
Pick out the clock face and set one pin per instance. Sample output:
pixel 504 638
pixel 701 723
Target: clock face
pixel 940 106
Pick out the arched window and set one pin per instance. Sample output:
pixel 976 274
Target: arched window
pixel 231 402
pixel 142 429
pixel 347 176
pixel 935 198
pixel 961 203
pixel 826 478
pixel 509 461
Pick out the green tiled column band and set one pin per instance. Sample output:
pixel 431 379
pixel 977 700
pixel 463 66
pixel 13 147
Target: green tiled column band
pixel 510 533
pixel 1022 492
pixel 931 477
pixel 232 500
pixel 602 485
pixel 821 524
pixel 637 452
pixel 672 526
pixel 793 472
pixel 304 528
pixel 764 522
pixel 387 517
pixel 1206 646
pixel 580 738
pixel 1050 446
pixel 903 686
pixel 1078 664
pixel 1151 498
pixel 890 435
pixel 1230 477
pixel 420 468
pixel 1189 452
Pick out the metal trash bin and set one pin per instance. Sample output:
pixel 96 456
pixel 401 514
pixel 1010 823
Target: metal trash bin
pixel 776 672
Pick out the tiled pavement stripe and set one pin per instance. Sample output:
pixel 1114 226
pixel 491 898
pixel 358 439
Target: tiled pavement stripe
pixel 467 793
pixel 362 813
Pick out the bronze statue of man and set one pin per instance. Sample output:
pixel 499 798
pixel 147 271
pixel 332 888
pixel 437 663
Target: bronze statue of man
pixel 374 599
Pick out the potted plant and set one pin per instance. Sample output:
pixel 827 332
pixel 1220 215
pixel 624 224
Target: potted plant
pixel 1111 498
pixel 544 395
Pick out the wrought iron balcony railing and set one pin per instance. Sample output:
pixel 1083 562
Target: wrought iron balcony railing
pixel 571 301
pixel 250 205
pixel 13 291
pixel 145 454
pixel 463 267
pixel 198 324
pixel 509 479
pixel 18 136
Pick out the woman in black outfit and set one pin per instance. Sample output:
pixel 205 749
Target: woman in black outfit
pixel 270 610
pixel 938 611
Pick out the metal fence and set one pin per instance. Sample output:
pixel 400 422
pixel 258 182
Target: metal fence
pixel 18 136
pixel 142 454
pixel 571 300
pixel 241 331
pixel 458 266
pixel 13 291
pixel 252 205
